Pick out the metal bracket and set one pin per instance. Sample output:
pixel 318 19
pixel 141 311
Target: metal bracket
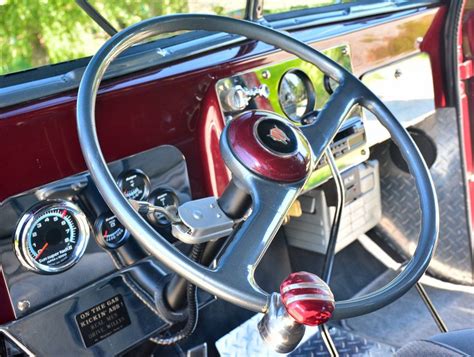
pixel 146 208
pixel 201 221
pixel 466 70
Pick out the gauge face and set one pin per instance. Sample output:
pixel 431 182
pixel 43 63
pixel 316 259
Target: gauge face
pixel 134 184
pixel 110 233
pixel 52 238
pixel 163 197
pixel 296 95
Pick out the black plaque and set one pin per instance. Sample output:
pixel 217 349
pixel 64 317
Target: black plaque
pixel 102 320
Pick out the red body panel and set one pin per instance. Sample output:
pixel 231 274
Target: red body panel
pixel 39 142
pixel 432 45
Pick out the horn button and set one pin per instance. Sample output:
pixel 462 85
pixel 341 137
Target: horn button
pixel 270 146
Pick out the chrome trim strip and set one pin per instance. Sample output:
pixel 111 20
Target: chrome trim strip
pixel 306 297
pixel 20 345
pixel 311 285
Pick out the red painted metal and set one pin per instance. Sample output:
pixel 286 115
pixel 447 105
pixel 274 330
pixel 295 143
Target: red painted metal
pixel 212 125
pixel 432 44
pixel 6 309
pixel 468 33
pixel 466 70
pixel 254 155
pixel 307 298
pixel 39 141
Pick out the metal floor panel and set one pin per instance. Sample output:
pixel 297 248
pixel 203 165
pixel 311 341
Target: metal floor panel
pixel 245 341
pixel 408 319
pixel 400 221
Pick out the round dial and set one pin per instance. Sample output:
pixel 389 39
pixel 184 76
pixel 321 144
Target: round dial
pixel 52 237
pixel 134 184
pixel 163 197
pixel 110 233
pixel 296 94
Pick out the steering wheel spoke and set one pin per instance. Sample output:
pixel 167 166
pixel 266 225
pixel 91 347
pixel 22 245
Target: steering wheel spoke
pixel 271 203
pixel 321 132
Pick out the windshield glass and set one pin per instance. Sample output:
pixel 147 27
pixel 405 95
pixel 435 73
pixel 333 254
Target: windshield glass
pixel 38 33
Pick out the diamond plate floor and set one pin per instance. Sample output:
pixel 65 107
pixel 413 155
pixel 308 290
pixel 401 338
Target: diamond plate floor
pixel 400 205
pixel 347 344
pixel 245 341
pixel 408 319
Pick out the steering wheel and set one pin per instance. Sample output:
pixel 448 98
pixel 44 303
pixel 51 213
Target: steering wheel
pixel 269 158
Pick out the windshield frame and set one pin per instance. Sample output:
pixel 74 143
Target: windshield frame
pixel 48 80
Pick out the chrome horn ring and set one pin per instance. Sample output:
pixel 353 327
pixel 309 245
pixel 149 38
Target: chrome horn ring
pixel 233 279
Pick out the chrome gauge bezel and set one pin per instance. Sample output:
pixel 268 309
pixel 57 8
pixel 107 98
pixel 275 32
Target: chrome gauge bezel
pixel 146 180
pixel 25 224
pixel 100 237
pixel 309 89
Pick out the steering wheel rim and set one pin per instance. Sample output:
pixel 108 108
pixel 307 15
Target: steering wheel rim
pixel 350 92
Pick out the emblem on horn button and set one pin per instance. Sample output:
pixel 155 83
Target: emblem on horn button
pixel 278 135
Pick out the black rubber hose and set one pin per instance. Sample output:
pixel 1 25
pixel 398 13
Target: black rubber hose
pixel 193 308
pixel 175 291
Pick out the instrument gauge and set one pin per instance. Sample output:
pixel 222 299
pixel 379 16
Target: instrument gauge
pixel 51 237
pixel 110 233
pixel 296 94
pixel 135 185
pixel 163 197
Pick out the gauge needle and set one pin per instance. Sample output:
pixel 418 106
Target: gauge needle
pixel 106 233
pixel 42 250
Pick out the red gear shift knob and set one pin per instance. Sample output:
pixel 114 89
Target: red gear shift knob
pixel 307 298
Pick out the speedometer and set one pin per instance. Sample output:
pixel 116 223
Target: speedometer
pixel 51 237
pixel 296 94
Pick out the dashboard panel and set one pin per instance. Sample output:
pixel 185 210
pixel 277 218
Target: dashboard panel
pixel 38 226
pixel 297 90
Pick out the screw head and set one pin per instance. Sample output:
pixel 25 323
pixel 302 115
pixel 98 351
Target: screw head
pixel 23 305
pixel 197 215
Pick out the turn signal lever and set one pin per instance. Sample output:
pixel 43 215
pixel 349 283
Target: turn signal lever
pixel 304 300
pixel 232 206
pixel 203 220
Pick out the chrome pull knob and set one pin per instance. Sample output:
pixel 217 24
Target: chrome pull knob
pixel 237 98
pixel 278 329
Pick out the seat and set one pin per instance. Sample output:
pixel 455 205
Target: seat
pixel 455 343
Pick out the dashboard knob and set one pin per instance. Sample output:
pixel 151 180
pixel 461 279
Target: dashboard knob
pixel 307 298
pixel 235 99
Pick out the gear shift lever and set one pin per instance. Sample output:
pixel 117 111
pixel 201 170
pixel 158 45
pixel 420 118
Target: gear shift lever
pixel 304 300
